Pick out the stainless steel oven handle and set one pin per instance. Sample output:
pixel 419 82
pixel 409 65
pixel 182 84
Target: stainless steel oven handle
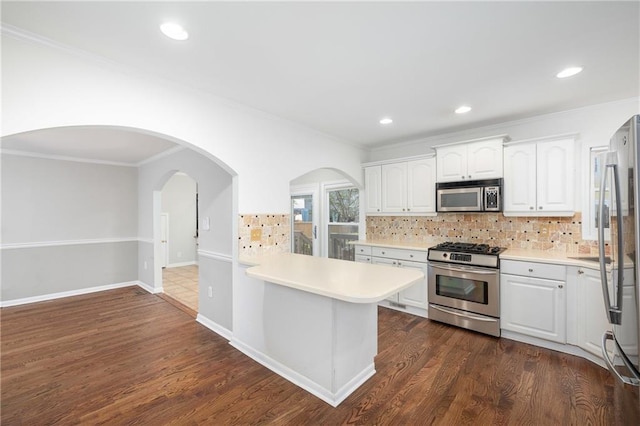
pixel 463 269
pixel 458 314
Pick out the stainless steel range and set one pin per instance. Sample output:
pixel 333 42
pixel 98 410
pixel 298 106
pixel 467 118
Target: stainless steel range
pixel 464 286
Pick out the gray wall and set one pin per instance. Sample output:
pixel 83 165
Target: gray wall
pixel 66 226
pixel 179 202
pixel 215 202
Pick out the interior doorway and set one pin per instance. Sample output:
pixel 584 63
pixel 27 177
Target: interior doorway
pixel 179 240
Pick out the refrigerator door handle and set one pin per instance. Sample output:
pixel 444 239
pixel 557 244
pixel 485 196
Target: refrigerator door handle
pixel 635 381
pixel 614 313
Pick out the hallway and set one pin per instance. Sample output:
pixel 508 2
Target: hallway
pixel 181 284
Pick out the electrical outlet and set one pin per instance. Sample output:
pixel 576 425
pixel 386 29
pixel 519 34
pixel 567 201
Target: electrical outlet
pixel 256 234
pixel 210 291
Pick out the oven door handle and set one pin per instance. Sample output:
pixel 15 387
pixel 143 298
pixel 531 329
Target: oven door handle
pixel 458 314
pixel 463 269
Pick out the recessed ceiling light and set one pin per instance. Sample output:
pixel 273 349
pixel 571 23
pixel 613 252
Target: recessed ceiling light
pixel 463 109
pixel 568 72
pixel 174 31
pixel 386 121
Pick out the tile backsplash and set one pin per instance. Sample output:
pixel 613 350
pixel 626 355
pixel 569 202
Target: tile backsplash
pixel 561 234
pixel 275 230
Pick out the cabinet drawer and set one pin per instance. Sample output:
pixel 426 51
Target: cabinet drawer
pixel 413 255
pixel 534 269
pixel 363 250
pixel 362 258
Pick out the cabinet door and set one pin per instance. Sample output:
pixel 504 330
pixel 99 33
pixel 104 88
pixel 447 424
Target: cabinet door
pixel 416 295
pixel 388 262
pixel 484 160
pixel 421 186
pixel 555 174
pixel 533 306
pixel 373 189
pixel 520 178
pixel 592 319
pixel 394 188
pixel 452 163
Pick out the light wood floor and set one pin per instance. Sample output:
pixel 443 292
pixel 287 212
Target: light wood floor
pixel 128 357
pixel 181 284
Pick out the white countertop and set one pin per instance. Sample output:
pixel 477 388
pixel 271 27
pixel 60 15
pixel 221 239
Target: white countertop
pixel 339 279
pixel 525 255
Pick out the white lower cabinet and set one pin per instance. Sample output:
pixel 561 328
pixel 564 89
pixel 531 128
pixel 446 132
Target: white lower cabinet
pixel 591 319
pixel 416 295
pixel 533 299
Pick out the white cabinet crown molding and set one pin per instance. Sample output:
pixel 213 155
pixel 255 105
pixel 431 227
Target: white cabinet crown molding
pixel 398 160
pixel 573 136
pixel 504 138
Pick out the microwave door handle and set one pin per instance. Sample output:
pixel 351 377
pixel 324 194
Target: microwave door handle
pixel 614 313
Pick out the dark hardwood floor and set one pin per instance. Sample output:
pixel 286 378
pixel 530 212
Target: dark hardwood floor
pixel 128 357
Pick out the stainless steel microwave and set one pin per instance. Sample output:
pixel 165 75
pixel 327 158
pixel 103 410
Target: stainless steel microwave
pixel 469 196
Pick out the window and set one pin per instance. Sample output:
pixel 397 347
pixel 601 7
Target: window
pixel 590 221
pixel 343 220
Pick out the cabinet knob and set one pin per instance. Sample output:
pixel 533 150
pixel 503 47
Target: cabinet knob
pixel 410 255
pixel 469 176
pixel 399 264
pixel 530 269
pixel 383 252
pixel 394 262
pixel 462 177
pixel 540 208
pixel 403 210
pixel 580 271
pixel 560 286
pixel 408 210
pixel 378 209
pixel 531 208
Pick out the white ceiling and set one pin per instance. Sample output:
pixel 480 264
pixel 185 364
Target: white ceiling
pixel 338 67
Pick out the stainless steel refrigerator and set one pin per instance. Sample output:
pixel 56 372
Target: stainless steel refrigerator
pixel 619 201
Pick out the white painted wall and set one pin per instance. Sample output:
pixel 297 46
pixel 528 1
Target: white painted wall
pixel 594 125
pixel 46 87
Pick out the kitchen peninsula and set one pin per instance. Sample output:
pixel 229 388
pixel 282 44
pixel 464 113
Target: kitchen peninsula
pixel 317 319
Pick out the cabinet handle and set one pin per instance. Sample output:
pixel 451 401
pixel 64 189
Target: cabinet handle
pixel 530 269
pixel 580 271
pixel 394 262
pixel 399 264
pixel 411 255
pixel 540 208
pixel 560 286
pixel 531 208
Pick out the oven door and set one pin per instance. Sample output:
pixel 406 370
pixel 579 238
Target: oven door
pixel 465 199
pixel 469 288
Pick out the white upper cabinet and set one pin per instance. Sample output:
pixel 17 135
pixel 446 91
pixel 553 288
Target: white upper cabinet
pixel 401 187
pixel 394 187
pixel 539 178
pixel 470 161
pixel 373 189
pixel 421 185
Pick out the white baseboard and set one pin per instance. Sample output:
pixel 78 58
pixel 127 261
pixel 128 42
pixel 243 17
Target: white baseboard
pixel 331 398
pixel 179 264
pixel 150 289
pixel 218 329
pixel 52 296
pixel 559 347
